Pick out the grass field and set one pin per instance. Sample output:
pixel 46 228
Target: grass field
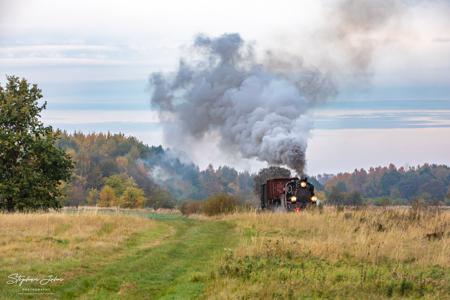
pixel 362 254
pixel 358 254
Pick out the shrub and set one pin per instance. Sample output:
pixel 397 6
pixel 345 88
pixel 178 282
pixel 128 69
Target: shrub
pixel 220 204
pixel 191 207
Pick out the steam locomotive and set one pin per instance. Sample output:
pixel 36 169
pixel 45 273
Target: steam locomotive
pixel 289 194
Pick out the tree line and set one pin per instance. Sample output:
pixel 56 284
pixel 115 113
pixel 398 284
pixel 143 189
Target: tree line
pixel 117 170
pixel 391 185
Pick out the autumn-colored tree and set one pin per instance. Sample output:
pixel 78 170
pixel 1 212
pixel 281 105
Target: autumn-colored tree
pixel 122 162
pixel 132 197
pixel 107 197
pixel 120 182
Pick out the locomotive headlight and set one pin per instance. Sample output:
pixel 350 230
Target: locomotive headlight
pixel 303 184
pixel 293 199
pixel 313 198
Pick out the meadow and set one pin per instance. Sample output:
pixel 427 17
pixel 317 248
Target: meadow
pixel 359 254
pixel 372 253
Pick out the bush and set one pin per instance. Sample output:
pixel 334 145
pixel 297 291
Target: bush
pixel 220 204
pixel 191 207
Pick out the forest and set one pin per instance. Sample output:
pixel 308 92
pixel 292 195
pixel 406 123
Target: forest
pixel 108 165
pixel 118 170
pixel 428 183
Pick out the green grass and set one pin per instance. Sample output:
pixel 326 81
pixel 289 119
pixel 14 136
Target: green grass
pixel 321 256
pixel 170 262
pixel 303 275
pixel 167 271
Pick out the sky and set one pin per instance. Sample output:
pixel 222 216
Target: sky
pixel 92 59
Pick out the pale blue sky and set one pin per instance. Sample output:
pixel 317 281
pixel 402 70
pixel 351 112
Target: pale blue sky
pixel 93 58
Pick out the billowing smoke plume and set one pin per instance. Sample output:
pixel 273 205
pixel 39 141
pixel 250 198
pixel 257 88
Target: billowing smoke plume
pixel 256 109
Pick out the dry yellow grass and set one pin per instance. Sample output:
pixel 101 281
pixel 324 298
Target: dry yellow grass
pixel 30 238
pixel 352 254
pixel 415 236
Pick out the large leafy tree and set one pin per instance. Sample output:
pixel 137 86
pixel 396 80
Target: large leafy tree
pixel 31 166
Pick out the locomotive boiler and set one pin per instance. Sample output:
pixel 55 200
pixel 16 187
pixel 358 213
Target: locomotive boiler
pixel 289 194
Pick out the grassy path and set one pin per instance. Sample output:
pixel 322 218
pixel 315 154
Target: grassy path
pixel 175 268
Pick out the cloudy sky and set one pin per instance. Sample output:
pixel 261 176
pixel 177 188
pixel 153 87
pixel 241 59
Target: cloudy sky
pixel 93 59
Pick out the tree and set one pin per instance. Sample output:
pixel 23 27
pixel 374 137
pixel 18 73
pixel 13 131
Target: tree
pixel 76 191
pixel 92 197
pixel 107 197
pixel 354 198
pixel 161 198
pixel 389 179
pixel 210 182
pixel 32 167
pixel 435 189
pixel 132 197
pixel 120 182
pixel 336 196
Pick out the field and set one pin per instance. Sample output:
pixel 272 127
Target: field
pixel 362 254
pixel 357 254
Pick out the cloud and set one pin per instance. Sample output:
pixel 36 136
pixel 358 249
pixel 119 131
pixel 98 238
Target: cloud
pixel 45 48
pixel 65 54
pixel 95 116
pixel 68 61
pixel 382 118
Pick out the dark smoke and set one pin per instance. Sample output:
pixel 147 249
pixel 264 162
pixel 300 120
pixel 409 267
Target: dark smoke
pixel 257 108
